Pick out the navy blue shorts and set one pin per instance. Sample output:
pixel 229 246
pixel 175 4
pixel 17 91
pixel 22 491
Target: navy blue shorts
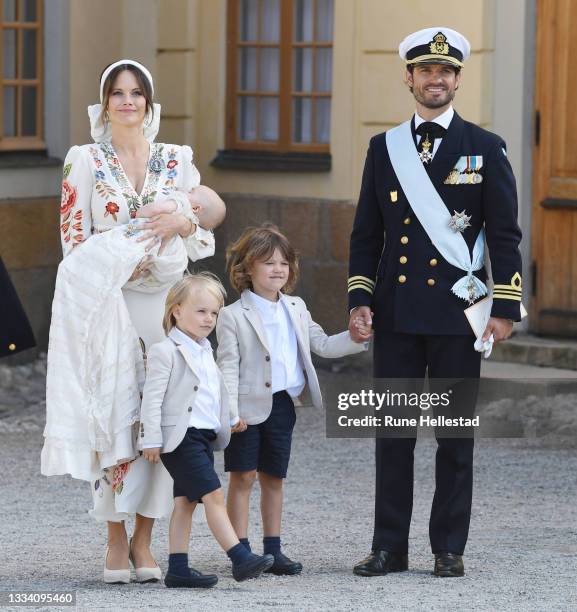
pixel 191 465
pixel 265 447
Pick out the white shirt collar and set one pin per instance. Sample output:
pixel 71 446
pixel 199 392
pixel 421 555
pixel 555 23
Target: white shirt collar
pixel 193 345
pixel 263 304
pixel 443 119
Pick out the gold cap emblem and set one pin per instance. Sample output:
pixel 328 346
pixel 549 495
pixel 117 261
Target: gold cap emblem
pixel 439 46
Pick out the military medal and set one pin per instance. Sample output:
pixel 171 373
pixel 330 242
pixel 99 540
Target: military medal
pixel 425 155
pixel 460 221
pixel 474 163
pixel 453 178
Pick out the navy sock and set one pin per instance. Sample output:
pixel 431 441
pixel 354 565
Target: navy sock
pixel 238 554
pixel 271 545
pixel 246 544
pixel 178 564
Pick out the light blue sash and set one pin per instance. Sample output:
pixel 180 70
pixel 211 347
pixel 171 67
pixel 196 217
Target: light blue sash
pixel 433 214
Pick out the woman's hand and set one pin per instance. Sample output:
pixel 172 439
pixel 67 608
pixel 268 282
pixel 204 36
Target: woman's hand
pixel 164 227
pixel 151 454
pixel 142 268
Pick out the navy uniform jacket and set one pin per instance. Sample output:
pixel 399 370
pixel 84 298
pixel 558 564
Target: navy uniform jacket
pixel 394 267
pixel 15 332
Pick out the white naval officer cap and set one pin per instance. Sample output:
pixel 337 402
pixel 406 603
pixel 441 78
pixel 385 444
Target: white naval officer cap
pixel 435 46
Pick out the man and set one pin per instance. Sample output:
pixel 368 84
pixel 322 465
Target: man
pixel 432 188
pixel 15 332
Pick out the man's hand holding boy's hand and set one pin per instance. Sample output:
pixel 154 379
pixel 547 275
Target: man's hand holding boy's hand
pixel 239 427
pixel 360 324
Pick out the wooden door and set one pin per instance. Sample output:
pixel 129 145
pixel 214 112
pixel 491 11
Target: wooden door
pixel 554 214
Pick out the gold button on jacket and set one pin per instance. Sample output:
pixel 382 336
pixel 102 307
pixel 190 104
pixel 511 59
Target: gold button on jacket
pixel 431 282
pixel 433 262
pixel 407 221
pixel 404 240
pixel 403 259
pixel 402 278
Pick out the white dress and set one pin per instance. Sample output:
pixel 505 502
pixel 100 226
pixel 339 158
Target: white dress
pixel 96 196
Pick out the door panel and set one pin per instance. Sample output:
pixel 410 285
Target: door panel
pixel 554 218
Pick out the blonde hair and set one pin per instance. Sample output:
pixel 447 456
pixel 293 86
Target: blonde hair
pixel 212 208
pixel 258 244
pixel 181 290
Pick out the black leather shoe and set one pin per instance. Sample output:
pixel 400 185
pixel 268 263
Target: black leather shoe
pixel 283 566
pixel 381 562
pixel 196 580
pixel 252 568
pixel 449 565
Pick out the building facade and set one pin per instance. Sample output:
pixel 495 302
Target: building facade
pixel 278 99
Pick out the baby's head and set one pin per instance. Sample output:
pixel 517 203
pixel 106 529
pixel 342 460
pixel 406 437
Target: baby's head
pixel 257 248
pixel 207 205
pixel 193 304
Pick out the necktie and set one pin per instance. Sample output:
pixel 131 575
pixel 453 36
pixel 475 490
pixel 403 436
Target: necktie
pixel 428 131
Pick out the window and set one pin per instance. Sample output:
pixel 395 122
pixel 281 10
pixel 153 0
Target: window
pixel 279 70
pixel 21 94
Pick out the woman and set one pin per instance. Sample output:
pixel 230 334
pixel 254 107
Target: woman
pixel 104 186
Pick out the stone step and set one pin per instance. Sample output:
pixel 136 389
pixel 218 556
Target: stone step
pixel 519 380
pixel 540 351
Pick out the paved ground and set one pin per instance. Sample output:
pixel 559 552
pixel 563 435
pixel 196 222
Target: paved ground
pixel 522 552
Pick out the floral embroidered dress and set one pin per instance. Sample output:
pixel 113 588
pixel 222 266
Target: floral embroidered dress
pixel 97 196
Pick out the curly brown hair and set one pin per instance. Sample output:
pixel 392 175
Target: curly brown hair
pixel 258 244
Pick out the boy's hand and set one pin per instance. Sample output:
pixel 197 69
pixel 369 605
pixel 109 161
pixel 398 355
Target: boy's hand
pixel 239 427
pixel 151 454
pixel 360 324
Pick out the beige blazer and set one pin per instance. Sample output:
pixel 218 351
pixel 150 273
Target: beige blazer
pixel 169 397
pixel 243 355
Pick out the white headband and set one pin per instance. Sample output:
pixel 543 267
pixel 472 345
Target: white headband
pixel 122 62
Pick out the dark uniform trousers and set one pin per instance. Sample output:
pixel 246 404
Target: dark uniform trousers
pixel 408 356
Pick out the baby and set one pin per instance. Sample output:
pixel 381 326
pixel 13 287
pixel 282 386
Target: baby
pixel 206 205
pixel 207 210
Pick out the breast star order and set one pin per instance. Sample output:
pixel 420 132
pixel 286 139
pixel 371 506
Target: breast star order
pixel 460 221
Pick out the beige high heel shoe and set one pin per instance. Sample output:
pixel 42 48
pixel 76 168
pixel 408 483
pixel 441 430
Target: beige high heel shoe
pixel 144 574
pixel 118 576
